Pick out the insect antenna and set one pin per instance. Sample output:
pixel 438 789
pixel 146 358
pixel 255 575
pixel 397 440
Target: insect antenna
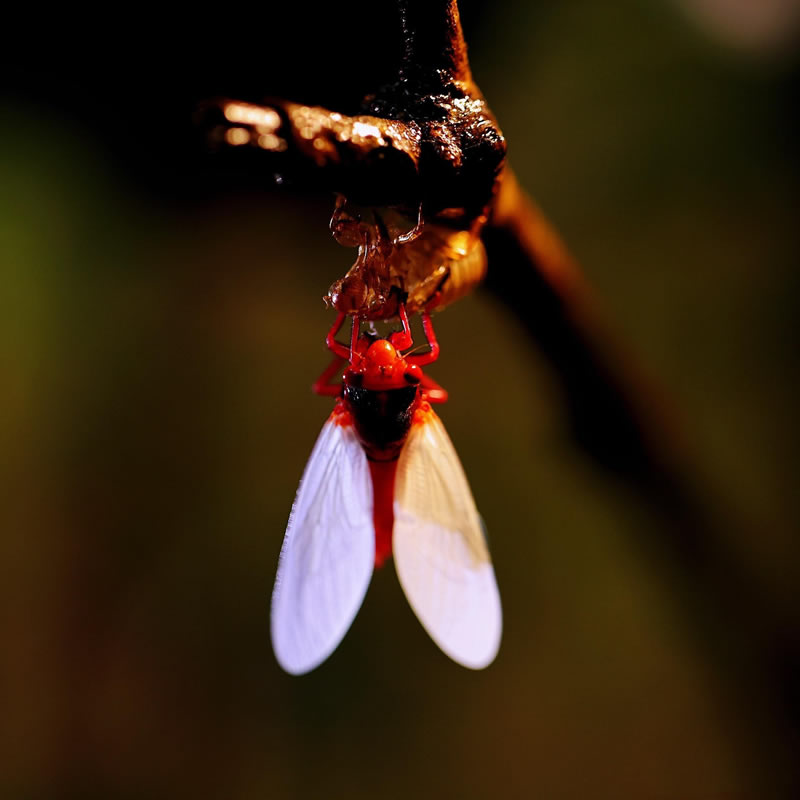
pixel 414 350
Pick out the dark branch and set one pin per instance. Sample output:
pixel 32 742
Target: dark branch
pixel 434 42
pixel 374 161
pixel 615 416
pixel 618 418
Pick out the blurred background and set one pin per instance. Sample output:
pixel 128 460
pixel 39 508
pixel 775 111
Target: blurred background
pixel 161 324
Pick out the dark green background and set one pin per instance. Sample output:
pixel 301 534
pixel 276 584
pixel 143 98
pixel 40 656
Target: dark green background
pixel 160 327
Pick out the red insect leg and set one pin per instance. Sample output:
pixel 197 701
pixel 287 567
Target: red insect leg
pixel 426 358
pixel 402 340
pixel 330 340
pixel 383 474
pixel 434 393
pixel 323 385
pixel 354 348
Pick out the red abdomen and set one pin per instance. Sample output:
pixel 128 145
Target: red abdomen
pixel 383 474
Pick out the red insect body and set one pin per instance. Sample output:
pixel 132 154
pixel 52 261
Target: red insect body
pixel 383 474
pixel 381 393
pixel 383 479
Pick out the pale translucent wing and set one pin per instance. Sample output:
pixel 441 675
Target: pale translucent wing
pixel 328 553
pixel 440 551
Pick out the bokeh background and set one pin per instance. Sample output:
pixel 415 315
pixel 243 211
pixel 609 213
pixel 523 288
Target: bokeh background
pixel 160 326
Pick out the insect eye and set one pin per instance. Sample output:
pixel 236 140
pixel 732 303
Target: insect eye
pixel 413 374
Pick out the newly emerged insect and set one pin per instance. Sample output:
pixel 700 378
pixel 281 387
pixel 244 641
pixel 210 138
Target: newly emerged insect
pixel 384 479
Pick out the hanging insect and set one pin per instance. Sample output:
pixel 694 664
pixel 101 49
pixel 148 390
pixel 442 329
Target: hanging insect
pixel 384 479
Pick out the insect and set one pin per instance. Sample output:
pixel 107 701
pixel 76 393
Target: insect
pixel 383 479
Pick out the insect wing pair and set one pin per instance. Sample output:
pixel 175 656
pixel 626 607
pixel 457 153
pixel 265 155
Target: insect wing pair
pixel 439 549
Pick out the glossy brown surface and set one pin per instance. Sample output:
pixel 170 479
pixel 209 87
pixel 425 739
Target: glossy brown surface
pixel 428 149
pixel 424 264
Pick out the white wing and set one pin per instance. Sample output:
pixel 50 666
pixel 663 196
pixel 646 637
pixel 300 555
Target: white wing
pixel 328 553
pixel 440 551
